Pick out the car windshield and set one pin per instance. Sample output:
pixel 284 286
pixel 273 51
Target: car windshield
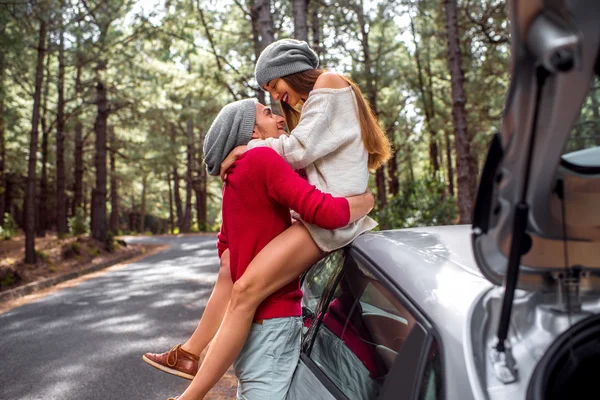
pixel 583 147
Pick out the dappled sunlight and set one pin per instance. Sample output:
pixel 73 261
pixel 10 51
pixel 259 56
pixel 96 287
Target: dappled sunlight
pixel 90 338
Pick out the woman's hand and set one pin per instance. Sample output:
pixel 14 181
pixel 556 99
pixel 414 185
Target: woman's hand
pixel 230 159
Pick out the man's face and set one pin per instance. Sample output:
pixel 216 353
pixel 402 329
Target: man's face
pixel 268 125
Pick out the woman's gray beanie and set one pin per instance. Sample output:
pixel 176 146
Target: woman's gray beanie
pixel 233 127
pixel 284 57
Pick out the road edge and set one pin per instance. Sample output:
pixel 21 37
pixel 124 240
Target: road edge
pixel 36 286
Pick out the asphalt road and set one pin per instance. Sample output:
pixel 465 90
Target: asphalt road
pixel 86 342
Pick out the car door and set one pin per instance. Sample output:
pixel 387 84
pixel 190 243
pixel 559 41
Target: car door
pixel 362 340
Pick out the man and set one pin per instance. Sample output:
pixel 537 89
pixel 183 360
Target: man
pixel 257 197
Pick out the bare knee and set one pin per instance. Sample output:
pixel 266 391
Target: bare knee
pixel 246 295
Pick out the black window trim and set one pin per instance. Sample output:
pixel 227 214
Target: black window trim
pixel 419 341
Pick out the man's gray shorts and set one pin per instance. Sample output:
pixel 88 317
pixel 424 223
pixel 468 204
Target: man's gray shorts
pixel 267 362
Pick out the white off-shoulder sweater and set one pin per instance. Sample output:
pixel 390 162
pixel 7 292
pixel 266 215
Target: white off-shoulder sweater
pixel 327 142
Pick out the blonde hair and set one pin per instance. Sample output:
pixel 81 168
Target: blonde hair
pixel 374 139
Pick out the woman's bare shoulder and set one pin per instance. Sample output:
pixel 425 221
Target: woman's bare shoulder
pixel 330 80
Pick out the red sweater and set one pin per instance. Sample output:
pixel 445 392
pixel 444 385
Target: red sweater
pixel 260 190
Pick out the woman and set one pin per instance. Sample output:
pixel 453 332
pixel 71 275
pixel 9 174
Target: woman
pixel 337 140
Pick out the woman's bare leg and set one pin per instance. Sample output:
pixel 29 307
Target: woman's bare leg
pixel 280 262
pixel 214 310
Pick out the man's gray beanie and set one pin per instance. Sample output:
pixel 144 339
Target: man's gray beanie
pixel 233 127
pixel 284 57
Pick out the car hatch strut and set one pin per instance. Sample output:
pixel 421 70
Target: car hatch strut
pixel 555 49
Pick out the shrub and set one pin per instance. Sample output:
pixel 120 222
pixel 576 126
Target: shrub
pixel 79 224
pixel 93 251
pixel 421 203
pixel 110 244
pixel 9 228
pixel 8 277
pixel 43 256
pixel 71 250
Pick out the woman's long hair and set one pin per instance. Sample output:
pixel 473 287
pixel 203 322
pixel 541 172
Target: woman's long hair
pixel 374 139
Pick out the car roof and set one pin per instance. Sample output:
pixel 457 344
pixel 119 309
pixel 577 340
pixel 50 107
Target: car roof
pixel 434 267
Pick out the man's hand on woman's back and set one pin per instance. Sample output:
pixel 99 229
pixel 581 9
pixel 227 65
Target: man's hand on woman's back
pixel 360 205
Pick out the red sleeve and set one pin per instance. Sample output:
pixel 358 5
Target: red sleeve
pixel 287 188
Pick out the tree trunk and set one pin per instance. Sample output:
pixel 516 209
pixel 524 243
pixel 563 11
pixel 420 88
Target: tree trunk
pixel 187 216
pixel 427 104
pixel 300 11
pixel 100 128
pixel 449 166
pixel 260 94
pixel 409 159
pixel 143 205
pixel 464 167
pixel 114 195
pixel 393 179
pixel 372 97
pixel 30 257
pixel 381 192
pixel 176 194
pixel 177 197
pixel 266 31
pixel 133 226
pixel 171 216
pixel 200 190
pixel 316 29
pixel 265 22
pixel 2 139
pixel 61 209
pixel 78 188
pixel 42 215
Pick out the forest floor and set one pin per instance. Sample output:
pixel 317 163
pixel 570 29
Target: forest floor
pixel 58 256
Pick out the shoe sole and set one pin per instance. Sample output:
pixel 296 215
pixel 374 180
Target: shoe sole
pixel 167 369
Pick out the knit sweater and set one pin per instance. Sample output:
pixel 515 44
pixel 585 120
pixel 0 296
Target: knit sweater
pixel 260 190
pixel 327 142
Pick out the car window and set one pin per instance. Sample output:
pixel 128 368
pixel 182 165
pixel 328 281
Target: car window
pixel 431 385
pixel 359 334
pixel 317 277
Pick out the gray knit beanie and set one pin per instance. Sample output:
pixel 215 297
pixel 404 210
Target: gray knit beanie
pixel 284 57
pixel 233 127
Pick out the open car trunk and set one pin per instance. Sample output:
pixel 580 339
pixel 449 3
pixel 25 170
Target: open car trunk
pixel 547 155
pixel 536 224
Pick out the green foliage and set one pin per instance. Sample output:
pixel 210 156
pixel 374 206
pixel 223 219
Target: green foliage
pixel 110 243
pixel 9 229
pixel 71 250
pixel 421 203
pixel 8 277
pixel 93 251
pixel 79 224
pixel 43 256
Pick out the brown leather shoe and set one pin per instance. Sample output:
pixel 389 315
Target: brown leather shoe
pixel 176 361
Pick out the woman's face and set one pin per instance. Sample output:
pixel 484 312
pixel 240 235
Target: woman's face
pixel 281 91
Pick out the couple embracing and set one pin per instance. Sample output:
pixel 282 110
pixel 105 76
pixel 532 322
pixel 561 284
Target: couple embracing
pixel 320 171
